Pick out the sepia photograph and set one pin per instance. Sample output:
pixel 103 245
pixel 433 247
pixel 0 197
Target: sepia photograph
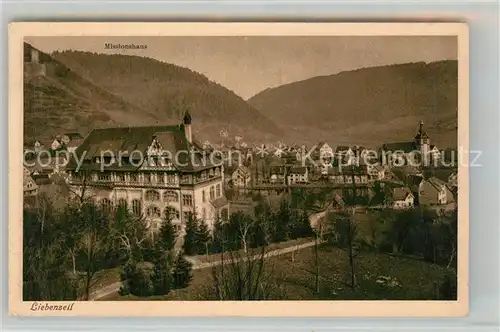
pixel 249 166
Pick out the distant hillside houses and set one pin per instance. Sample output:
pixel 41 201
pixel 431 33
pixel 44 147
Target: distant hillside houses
pixel 67 142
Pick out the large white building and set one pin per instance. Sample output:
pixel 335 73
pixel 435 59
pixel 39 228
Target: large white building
pixel 149 169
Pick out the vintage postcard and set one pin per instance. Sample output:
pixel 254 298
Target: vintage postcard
pixel 238 169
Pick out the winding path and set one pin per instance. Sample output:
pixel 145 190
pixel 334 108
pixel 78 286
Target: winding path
pixel 115 287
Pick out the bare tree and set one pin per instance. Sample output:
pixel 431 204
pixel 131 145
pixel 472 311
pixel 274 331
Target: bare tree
pixel 94 243
pixel 347 230
pixel 80 191
pixel 246 276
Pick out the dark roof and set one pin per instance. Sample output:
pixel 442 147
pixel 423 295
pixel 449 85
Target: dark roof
pixel 187 118
pixel 421 132
pixel 298 169
pixel 357 170
pixel 401 193
pixel 219 202
pixel 75 142
pixel 244 169
pixel 124 140
pixel 342 148
pixel 406 147
pixel 73 136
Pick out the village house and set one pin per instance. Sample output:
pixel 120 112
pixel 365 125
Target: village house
pixel 241 177
pixel 277 172
pixel 30 188
pixel 298 175
pixel 433 191
pixel 325 157
pixel 375 172
pixel 453 180
pixel 402 198
pixel 151 168
pixel 43 168
pixel 345 156
pixel 70 141
pixel 56 144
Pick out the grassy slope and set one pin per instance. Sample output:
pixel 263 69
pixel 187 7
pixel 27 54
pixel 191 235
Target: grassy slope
pixel 368 106
pixel 62 101
pixel 418 279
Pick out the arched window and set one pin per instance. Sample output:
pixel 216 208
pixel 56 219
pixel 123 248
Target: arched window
pixel 153 212
pixel 106 205
pixel 170 196
pixel 217 171
pixel 122 202
pixel 172 212
pixel 136 207
pixel 152 195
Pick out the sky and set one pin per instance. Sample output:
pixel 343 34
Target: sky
pixel 248 65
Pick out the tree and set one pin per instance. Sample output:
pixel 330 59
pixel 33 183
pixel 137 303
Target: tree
pixel 245 277
pixel 162 274
pixel 301 226
pixel 240 229
pixel 168 235
pixel 448 286
pixel 282 222
pixel 203 237
pixel 129 233
pixel 190 245
pixel 219 236
pixel 400 228
pixel 347 231
pixel 45 258
pixel 93 243
pixel 182 272
pixel 137 279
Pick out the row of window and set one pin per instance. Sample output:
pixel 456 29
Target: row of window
pixel 348 179
pixel 214 191
pixel 170 179
pixel 151 211
pixel 210 173
pixel 168 196
pixel 134 177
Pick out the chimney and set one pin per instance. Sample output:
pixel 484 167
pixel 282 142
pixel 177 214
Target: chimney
pixel 187 127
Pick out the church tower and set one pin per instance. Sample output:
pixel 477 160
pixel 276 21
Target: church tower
pixel 187 126
pixel 422 141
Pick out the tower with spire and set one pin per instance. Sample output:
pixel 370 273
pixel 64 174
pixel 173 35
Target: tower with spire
pixel 186 121
pixel 422 140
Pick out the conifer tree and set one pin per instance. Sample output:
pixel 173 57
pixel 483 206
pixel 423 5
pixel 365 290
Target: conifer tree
pixel 190 238
pixel 162 274
pixel 283 221
pixel 167 235
pixel 219 237
pixel 182 272
pixel 203 237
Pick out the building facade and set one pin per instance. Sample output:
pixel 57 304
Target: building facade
pixel 153 171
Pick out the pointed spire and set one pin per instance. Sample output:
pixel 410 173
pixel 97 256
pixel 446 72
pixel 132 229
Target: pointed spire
pixel 421 134
pixel 187 118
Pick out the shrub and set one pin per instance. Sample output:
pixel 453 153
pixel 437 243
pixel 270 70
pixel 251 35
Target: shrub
pixel 182 273
pixel 162 275
pixel 136 279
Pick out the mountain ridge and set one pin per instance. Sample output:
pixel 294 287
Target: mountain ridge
pixel 338 106
pixel 167 90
